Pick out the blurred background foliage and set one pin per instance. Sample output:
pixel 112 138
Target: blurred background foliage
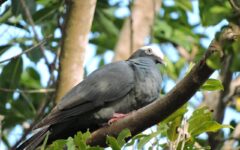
pixel 182 28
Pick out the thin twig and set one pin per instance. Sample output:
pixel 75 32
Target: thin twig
pixel 1 118
pixel 30 91
pixel 51 68
pixel 31 22
pixel 44 103
pixel 23 52
pixel 234 5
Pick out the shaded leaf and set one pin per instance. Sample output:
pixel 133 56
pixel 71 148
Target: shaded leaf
pixel 11 73
pixel 30 78
pixel 17 8
pixel 172 133
pixel 3 48
pixel 145 139
pixel 45 141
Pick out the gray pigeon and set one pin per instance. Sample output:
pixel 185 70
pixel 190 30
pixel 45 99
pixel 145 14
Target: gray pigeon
pixel 119 87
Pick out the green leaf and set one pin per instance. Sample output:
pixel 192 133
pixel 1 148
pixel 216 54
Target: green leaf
pixel 5 16
pixel 17 8
pixel 35 55
pixel 3 48
pixel 81 138
pixel 145 139
pixel 30 78
pixel 172 133
pixel 122 136
pixel 212 12
pixel 70 144
pixel 11 73
pixel 113 143
pixel 107 23
pixel 202 121
pixel 45 141
pixel 163 29
pixel 136 137
pixel 180 112
pixel 184 4
pixel 214 61
pixel 44 13
pixel 57 145
pixel 171 69
pixel 207 126
pixel 171 123
pixel 212 85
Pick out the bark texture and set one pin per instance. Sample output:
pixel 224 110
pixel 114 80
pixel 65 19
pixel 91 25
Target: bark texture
pixel 75 40
pixel 142 19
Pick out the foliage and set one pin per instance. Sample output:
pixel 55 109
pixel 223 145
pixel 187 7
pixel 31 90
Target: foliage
pixel 212 85
pixel 177 24
pixel 181 133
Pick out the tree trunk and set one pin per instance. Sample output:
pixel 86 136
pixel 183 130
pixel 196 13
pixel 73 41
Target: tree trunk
pixel 143 13
pixel 75 39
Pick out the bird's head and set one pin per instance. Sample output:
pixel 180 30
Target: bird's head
pixel 152 52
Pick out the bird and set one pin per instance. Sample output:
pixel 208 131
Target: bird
pixel 106 94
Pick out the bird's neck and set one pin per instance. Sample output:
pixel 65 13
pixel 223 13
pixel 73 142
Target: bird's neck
pixel 143 62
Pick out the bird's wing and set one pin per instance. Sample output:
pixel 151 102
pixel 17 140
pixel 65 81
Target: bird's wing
pixel 106 84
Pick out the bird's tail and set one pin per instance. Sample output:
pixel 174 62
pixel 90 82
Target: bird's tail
pixel 34 141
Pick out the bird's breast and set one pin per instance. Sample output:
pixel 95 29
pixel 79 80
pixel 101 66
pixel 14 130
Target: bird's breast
pixel 147 87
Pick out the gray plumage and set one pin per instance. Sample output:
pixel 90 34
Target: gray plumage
pixel 119 87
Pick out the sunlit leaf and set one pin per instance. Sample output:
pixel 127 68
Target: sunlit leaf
pixel 122 136
pixel 212 85
pixel 70 144
pixel 202 121
pixel 81 138
pixel 113 143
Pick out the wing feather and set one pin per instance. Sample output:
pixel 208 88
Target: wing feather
pixel 106 84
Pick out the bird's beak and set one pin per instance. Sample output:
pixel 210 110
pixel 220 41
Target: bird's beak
pixel 161 61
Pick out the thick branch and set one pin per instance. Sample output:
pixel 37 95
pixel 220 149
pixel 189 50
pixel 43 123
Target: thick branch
pixel 160 109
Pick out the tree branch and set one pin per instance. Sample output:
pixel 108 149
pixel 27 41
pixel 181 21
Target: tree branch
pixel 30 91
pixel 160 109
pixel 234 5
pixel 36 36
pixel 25 51
pixel 229 144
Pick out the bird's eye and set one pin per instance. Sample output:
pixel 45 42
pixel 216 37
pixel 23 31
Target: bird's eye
pixel 148 51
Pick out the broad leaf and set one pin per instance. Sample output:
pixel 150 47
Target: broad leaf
pixel 212 85
pixel 202 121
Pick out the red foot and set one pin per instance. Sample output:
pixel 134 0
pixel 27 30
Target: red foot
pixel 116 117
